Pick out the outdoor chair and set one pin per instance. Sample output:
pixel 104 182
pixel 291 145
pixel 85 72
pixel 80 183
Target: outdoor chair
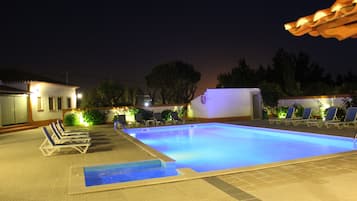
pixel 55 127
pixel 139 119
pixel 306 116
pixel 350 119
pixel 120 121
pixel 59 138
pixel 49 146
pixel 62 128
pixel 175 118
pixel 289 116
pixel 329 117
pixel 158 118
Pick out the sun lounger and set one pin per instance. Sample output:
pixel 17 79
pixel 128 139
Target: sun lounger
pixel 49 146
pixel 120 121
pixel 330 116
pixel 58 135
pixel 349 120
pixel 306 116
pixel 64 131
pixel 175 118
pixel 289 115
pixel 158 118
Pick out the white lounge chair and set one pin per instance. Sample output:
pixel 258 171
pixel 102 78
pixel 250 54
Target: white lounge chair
pixel 64 131
pixel 48 146
pixel 59 138
pixel 289 115
pixel 330 116
pixel 73 134
pixel 350 119
pixel 158 118
pixel 140 121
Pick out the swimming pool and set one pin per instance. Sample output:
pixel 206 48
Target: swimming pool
pixel 217 146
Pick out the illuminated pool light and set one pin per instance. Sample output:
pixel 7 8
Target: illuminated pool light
pixel 216 146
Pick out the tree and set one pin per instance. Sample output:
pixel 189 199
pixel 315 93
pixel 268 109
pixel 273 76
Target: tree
pixel 284 65
pixel 289 75
pixel 271 93
pixel 108 93
pixel 90 99
pixel 176 82
pixel 130 95
pixel 240 76
pixel 349 83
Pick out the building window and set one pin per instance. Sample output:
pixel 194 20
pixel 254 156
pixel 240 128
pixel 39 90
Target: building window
pixel 59 103
pixel 51 103
pixel 39 104
pixel 69 103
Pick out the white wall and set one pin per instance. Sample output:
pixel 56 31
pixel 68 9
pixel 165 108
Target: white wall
pixel 315 102
pixel 223 103
pixel 46 90
pixel 163 107
pixel 110 112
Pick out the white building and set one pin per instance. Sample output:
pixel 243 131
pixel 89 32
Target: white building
pixel 240 103
pixel 34 101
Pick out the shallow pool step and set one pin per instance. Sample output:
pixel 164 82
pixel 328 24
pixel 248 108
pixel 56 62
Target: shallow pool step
pixel 127 172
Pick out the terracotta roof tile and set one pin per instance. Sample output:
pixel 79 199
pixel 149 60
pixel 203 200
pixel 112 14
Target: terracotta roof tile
pixel 339 21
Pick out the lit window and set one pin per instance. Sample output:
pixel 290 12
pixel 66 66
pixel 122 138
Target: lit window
pixel 39 104
pixel 59 103
pixel 51 103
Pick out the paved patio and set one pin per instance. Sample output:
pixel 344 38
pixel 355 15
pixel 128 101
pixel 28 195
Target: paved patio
pixel 27 175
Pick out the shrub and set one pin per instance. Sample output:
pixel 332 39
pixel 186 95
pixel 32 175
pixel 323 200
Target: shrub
pixel 299 109
pixel 94 117
pixel 166 115
pixel 71 120
pixel 281 111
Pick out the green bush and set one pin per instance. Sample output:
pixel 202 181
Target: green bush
pixel 281 111
pixel 71 120
pixel 94 117
pixel 299 109
pixel 166 115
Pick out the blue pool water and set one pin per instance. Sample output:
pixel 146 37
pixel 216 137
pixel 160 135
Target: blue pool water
pixel 116 173
pixel 216 146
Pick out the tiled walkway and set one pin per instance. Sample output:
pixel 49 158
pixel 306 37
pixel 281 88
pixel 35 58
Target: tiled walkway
pixel 28 176
pixel 316 173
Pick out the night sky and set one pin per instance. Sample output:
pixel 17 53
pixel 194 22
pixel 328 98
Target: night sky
pixel 96 40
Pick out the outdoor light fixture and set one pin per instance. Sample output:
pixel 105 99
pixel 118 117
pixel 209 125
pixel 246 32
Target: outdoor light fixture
pixel 79 96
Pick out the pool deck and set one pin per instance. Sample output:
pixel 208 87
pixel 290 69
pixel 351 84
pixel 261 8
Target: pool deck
pixel 26 175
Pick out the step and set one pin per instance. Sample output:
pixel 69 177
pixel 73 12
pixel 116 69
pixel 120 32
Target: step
pixel 14 128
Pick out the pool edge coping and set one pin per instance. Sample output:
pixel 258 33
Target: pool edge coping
pixel 77 181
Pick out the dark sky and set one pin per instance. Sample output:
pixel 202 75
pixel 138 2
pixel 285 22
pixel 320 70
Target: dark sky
pixel 96 40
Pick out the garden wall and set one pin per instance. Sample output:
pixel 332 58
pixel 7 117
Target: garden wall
pixel 317 103
pixel 227 103
pixel 129 114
